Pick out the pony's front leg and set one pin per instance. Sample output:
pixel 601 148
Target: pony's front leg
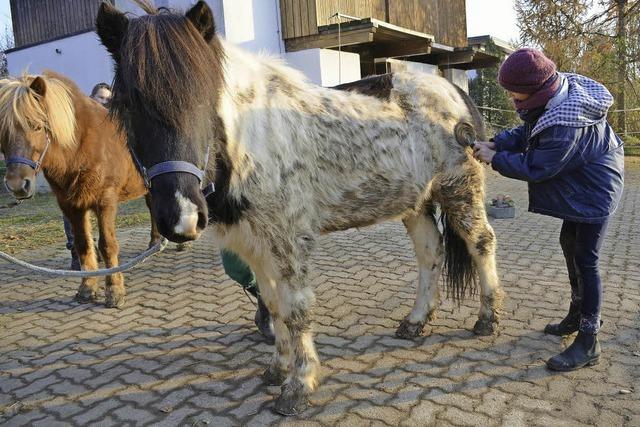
pixel 304 364
pixel 278 369
pixel 427 243
pixel 83 243
pixel 282 282
pixel 109 248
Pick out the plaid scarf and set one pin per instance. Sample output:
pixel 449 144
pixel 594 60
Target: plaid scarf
pixel 586 104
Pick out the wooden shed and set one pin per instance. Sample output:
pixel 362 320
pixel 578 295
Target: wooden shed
pixel 35 21
pixel 427 31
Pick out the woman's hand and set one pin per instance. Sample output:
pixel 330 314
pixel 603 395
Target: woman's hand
pixel 484 151
pixel 490 145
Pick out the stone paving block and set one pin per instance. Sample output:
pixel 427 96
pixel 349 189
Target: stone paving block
pixel 32 418
pixel 423 413
pixel 66 411
pixel 184 350
pixel 96 412
pixel 36 386
pixel 180 416
pixel 130 413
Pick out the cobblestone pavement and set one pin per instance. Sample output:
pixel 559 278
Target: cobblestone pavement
pixel 184 350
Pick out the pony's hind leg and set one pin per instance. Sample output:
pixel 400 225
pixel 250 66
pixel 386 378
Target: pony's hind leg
pixel 83 244
pixel 462 200
pixel 109 248
pixel 427 243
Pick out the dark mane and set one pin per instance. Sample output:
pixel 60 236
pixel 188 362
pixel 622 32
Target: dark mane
pixel 168 67
pixel 481 131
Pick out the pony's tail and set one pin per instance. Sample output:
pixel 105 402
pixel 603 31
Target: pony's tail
pixel 465 134
pixel 468 131
pixel 459 270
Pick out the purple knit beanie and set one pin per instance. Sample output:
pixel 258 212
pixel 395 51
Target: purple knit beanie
pixel 526 71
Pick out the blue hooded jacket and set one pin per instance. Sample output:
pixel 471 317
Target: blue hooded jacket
pixel 571 158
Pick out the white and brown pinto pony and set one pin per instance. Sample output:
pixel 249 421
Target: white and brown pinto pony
pixel 292 161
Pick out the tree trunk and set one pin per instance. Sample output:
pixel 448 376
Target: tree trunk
pixel 621 39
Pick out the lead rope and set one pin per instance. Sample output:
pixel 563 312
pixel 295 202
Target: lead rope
pixel 158 247
pixel 16 202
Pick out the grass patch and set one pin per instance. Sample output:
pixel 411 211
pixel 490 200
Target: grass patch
pixel 631 146
pixel 38 222
pixel 632 150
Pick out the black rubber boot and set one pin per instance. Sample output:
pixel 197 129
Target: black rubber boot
pixel 568 325
pixel 584 351
pixel 264 323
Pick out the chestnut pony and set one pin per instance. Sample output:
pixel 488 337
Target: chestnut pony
pixel 48 124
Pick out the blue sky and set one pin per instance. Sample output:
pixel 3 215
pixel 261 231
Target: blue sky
pixel 5 15
pixel 493 17
pixel 5 12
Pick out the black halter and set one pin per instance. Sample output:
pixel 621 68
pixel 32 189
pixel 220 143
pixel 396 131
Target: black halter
pixel 37 165
pixel 173 166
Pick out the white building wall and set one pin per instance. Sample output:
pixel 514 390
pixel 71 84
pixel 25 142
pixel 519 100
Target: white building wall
pixel 400 65
pixel 81 57
pixel 457 77
pixel 326 67
pixel 251 24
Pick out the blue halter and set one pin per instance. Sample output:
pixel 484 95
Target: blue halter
pixel 37 165
pixel 172 166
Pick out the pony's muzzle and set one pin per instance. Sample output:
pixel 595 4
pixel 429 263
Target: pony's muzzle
pixel 180 218
pixel 187 225
pixel 20 187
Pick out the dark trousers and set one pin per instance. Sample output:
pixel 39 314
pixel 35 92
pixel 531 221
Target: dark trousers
pixel 68 231
pixel 581 245
pixel 239 271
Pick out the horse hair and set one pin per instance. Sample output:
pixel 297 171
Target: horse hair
pixel 459 275
pixel 160 82
pixel 21 108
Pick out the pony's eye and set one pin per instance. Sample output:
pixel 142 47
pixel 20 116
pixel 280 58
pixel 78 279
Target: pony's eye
pixel 36 128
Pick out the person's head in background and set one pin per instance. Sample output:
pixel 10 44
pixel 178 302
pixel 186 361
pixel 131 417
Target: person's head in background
pixel 101 93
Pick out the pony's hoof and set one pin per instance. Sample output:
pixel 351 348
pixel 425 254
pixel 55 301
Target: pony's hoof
pixel 293 400
pixel 484 327
pixel 273 376
pixel 181 247
pixel 114 301
pixel 408 330
pixel 85 295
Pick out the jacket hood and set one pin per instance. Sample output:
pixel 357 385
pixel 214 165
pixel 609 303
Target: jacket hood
pixel 580 102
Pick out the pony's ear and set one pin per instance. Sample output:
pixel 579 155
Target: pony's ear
pixel 111 24
pixel 38 86
pixel 201 17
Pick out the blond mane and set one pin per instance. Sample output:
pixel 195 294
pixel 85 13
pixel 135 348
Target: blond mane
pixel 21 108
